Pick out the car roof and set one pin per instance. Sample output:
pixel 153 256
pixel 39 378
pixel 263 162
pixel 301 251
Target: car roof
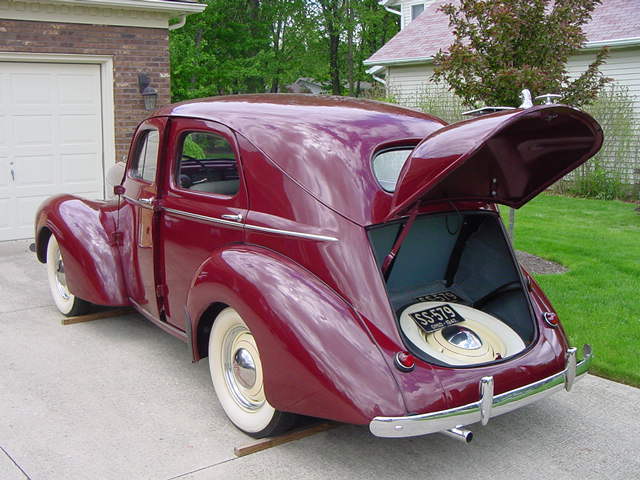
pixel 325 143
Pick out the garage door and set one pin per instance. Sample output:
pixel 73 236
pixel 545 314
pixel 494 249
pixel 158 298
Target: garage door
pixel 50 138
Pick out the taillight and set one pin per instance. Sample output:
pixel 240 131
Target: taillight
pixel 405 362
pixel 551 319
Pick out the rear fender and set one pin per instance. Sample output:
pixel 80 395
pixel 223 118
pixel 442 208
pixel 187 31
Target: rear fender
pixel 84 230
pixel 317 358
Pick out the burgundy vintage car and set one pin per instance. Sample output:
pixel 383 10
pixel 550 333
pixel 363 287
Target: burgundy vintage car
pixel 332 257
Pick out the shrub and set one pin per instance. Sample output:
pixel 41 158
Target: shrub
pixel 436 99
pixel 610 173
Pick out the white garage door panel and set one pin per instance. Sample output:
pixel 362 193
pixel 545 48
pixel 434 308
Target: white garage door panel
pixel 78 129
pixel 50 138
pixel 33 171
pixel 5 219
pixel 80 168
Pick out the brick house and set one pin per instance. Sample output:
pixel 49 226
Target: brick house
pixel 70 96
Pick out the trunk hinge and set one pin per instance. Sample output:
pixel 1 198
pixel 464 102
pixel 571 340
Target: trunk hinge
pixel 390 258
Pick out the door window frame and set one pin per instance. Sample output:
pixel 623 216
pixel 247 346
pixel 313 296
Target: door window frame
pixel 185 125
pixel 141 140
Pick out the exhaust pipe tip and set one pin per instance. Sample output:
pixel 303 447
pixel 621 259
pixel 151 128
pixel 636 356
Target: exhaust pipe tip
pixel 459 433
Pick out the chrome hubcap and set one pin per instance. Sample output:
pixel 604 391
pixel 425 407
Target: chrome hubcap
pixel 461 337
pixel 242 368
pixel 61 278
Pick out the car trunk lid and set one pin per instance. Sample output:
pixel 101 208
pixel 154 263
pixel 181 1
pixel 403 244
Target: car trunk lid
pixel 507 157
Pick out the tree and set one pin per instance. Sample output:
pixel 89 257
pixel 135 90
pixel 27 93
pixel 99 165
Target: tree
pixel 332 13
pixel 246 46
pixel 504 46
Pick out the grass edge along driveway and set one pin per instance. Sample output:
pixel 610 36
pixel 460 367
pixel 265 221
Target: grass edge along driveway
pixel 598 299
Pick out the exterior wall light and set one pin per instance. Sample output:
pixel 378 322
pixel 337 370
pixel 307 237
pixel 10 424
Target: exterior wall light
pixel 149 94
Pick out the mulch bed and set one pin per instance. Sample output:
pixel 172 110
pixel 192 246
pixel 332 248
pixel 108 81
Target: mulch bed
pixel 535 264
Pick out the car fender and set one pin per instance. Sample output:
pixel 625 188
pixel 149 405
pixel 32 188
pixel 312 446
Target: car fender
pixel 317 358
pixel 84 230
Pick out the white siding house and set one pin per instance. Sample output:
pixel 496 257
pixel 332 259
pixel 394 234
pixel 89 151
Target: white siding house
pixel 405 63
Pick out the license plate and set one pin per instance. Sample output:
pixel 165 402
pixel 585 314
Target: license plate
pixel 435 318
pixel 445 296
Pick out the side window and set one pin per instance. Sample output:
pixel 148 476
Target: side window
pixel 207 163
pixel 147 158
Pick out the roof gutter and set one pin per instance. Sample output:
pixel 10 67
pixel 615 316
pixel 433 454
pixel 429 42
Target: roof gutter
pixel 399 61
pixel 589 46
pixel 615 43
pixel 186 7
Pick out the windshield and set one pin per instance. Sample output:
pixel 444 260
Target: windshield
pixel 387 165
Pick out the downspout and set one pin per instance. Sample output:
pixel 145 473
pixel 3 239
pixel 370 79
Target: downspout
pixel 182 19
pixel 372 71
pixel 389 9
pixel 378 79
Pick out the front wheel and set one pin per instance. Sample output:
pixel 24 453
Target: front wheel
pixel 236 372
pixel 68 304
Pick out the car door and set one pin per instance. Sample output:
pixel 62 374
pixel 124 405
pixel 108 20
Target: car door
pixel 138 216
pixel 204 207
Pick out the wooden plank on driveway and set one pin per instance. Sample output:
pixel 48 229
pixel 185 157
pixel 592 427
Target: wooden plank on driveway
pixel 264 443
pixel 116 312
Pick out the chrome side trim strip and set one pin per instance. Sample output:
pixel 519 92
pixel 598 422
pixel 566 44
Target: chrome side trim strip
pixel 310 236
pixel 204 218
pixel 138 202
pixel 433 422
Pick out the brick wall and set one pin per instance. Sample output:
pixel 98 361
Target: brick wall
pixel 134 50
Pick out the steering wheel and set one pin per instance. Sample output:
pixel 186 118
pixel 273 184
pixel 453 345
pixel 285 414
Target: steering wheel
pixel 197 160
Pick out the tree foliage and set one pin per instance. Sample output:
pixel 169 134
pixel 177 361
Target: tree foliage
pixel 504 46
pixel 247 46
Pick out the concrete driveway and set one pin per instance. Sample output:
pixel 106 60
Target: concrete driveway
pixel 119 399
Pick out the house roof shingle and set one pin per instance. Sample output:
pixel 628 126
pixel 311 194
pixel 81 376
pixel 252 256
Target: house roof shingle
pixel 430 32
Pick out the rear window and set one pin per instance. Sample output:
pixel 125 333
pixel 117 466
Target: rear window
pixel 387 165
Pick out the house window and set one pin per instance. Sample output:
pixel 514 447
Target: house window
pixel 416 10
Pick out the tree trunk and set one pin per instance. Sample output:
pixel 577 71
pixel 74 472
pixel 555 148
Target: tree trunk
pixel 350 48
pixel 330 12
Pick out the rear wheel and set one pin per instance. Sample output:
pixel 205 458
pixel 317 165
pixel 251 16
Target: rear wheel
pixel 236 372
pixel 67 303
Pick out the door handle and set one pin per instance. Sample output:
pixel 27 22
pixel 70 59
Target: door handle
pixel 146 201
pixel 233 218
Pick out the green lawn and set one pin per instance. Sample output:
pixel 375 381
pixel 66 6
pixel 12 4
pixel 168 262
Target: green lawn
pixel 598 300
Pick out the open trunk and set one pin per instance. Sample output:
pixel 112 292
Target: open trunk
pixel 452 278
pixel 464 262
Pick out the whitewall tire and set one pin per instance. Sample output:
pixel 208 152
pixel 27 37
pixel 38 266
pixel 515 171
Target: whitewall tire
pixel 67 303
pixel 236 372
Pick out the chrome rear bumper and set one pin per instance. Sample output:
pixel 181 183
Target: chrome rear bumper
pixel 488 406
